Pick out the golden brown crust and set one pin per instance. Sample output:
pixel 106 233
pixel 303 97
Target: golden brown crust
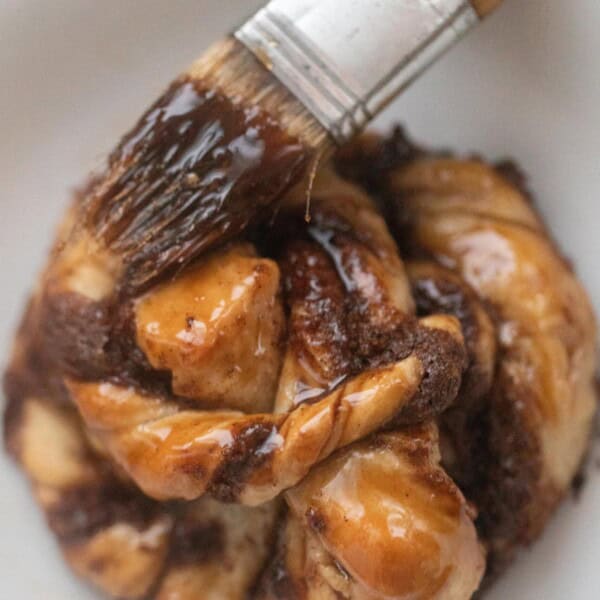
pixel 109 532
pixel 470 217
pixel 388 499
pixel 191 327
pixel 364 501
pixel 547 350
pixel 308 361
pixel 398 369
pixel 120 540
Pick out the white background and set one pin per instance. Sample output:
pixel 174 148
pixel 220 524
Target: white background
pixel 74 75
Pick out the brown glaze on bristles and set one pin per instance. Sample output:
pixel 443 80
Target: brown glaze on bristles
pixel 196 170
pixel 229 66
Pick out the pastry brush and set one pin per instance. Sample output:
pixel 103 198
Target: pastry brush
pixel 249 119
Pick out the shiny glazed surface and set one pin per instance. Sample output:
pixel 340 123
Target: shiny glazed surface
pixel 97 69
pixel 365 362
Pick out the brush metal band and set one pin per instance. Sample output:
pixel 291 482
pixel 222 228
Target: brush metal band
pixel 346 59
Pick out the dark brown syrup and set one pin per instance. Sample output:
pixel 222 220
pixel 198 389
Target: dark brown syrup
pixel 195 171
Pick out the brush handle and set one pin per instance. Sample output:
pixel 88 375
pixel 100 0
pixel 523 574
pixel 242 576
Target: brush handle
pixel 346 59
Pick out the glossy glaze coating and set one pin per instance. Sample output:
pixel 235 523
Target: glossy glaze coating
pixel 475 221
pixel 195 171
pixel 484 335
pixel 218 329
pixel 396 369
pixel 438 289
pixel 172 452
pixel 389 500
pixel 380 518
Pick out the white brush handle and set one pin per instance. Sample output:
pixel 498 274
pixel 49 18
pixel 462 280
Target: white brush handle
pixel 346 59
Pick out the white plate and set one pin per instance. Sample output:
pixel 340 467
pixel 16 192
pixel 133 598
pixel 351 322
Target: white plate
pixel 74 74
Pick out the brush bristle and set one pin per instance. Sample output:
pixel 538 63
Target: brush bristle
pixel 211 157
pixel 228 65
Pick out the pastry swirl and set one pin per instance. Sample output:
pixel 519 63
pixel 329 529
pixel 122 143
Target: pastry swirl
pixel 303 410
pixel 479 222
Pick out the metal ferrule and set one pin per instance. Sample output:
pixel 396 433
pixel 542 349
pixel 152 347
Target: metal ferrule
pixel 346 59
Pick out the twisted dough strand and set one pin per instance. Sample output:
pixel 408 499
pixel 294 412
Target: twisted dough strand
pixel 181 453
pixel 251 458
pixel 123 542
pixel 108 532
pixel 386 497
pixel 341 421
pixel 480 223
pixel 439 290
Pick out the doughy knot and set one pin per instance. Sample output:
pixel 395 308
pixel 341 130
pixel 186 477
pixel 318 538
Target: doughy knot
pixel 299 412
